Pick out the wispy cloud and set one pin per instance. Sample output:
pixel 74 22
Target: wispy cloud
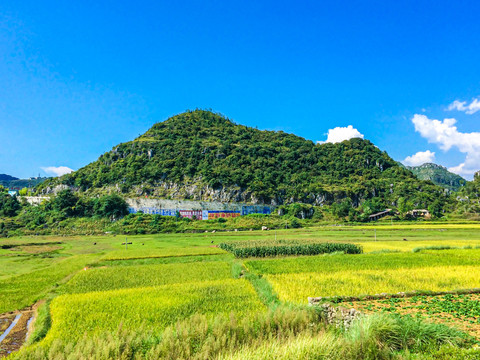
pixel 57 170
pixel 419 158
pixel 340 134
pixel 446 135
pixel 470 109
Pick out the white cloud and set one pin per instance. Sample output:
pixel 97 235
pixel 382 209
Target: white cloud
pixel 57 170
pixel 446 135
pixel 340 134
pixel 470 109
pixel 420 158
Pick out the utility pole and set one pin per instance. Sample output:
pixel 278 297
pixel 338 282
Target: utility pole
pixel 126 243
pixel 375 234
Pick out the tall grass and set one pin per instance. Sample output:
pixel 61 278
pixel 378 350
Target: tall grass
pixel 375 337
pixel 42 324
pixel 280 334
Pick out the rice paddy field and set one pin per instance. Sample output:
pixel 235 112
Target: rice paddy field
pixel 159 290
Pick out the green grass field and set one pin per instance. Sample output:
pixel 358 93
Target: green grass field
pixel 95 286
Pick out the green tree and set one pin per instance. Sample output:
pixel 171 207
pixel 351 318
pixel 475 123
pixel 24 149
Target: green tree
pixel 65 202
pixel 341 210
pixel 111 206
pixel 372 206
pixel 404 206
pixel 9 205
pixel 436 208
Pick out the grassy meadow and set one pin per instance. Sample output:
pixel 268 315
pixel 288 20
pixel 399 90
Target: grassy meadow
pixel 169 291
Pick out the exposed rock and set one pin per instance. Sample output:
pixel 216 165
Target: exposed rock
pixel 59 188
pixel 340 316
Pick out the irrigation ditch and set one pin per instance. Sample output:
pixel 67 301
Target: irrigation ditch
pixel 15 328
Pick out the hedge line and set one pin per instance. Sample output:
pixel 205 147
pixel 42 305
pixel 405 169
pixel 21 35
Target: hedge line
pixel 294 249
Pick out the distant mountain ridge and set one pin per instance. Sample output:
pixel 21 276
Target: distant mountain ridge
pixel 439 175
pixel 13 182
pixel 200 155
pixel 5 177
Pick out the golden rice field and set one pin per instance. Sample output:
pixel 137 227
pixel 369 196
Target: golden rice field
pixel 150 307
pixel 297 287
pixel 400 245
pixel 296 279
pixel 111 278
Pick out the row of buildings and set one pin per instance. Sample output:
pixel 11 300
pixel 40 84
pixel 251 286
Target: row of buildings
pixel 197 210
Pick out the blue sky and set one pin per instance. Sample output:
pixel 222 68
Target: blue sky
pixel 78 78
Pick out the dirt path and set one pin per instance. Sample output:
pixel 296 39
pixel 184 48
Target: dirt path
pixel 18 333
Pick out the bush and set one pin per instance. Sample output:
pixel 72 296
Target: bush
pixel 294 223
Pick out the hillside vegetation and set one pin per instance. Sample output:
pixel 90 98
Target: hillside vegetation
pixel 439 175
pixel 202 155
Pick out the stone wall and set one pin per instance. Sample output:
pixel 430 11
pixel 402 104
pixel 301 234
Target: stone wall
pixel 339 316
pixel 139 203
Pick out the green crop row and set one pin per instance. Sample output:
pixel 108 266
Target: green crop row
pixel 291 249
pixel 459 306
pixel 270 242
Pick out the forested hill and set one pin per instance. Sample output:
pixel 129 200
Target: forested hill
pixel 202 155
pixel 5 177
pixel 12 182
pixel 438 175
